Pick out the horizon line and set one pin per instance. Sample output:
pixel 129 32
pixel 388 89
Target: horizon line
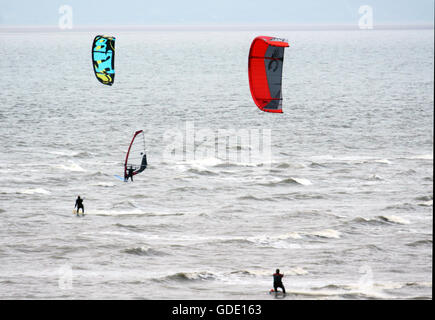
pixel 216 27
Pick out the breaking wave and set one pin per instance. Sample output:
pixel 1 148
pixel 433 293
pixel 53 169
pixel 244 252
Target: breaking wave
pixel 34 191
pixel 290 180
pixel 188 277
pixel 326 233
pixel 394 219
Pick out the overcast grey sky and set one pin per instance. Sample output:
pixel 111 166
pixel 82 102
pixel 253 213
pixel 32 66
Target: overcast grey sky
pixel 161 12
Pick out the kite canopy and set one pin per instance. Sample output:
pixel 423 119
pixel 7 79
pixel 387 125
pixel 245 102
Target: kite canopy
pixel 103 59
pixel 266 58
pixel 136 157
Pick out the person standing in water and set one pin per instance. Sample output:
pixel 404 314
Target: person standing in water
pixel 129 174
pixel 79 205
pixel 277 281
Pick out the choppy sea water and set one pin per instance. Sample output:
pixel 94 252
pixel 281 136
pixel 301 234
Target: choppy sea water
pixel 343 206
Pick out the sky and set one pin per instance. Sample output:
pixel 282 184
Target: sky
pixel 191 12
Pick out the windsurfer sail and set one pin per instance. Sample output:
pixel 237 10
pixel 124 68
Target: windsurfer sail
pixel 103 59
pixel 136 158
pixel 266 58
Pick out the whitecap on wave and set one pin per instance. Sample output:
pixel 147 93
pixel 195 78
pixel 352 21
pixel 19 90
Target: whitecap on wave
pixel 428 203
pixel 71 167
pixel 394 219
pixel 34 191
pixel 326 233
pixel 103 184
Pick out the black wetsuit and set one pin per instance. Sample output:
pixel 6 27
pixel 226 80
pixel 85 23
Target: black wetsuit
pixel 277 282
pixel 79 205
pixel 130 174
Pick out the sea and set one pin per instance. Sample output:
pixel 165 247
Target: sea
pixel 336 191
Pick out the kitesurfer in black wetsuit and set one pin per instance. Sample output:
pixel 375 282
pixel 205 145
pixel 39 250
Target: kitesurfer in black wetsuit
pixel 277 281
pixel 129 174
pixel 79 205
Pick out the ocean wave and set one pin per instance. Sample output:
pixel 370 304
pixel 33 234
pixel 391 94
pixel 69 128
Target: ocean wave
pixel 284 236
pixel 375 177
pixel 34 191
pixel 185 189
pixel 348 159
pixel 273 241
pixel 72 167
pixel 362 220
pixel 205 162
pixel 9 181
pixel 144 251
pixel 351 291
pixel 132 212
pixel 361 291
pixel 125 203
pixel 188 277
pixel 107 212
pixel 290 180
pixel 428 203
pixel 409 172
pixel 210 163
pixel 302 181
pixel 281 241
pixel 295 271
pixel 66 153
pixel 394 219
pixel 364 247
pixel 71 153
pixel 326 233
pixel 252 273
pixel 103 184
pixel 158 214
pixel 333 287
pixel 283 165
pixel 83 154
pixel 129 226
pixel 97 174
pixel 231 241
pixel 428 156
pixel 250 197
pixel 420 243
pixel 384 161
pixel 317 165
pixel 424 198
pixel 202 172
pixel 252 163
pixel 419 284
pixel 368 221
pixel 231 277
pixel 403 206
pixel 229 164
pixel 306 196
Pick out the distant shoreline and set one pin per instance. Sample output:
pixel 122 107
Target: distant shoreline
pixel 229 27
